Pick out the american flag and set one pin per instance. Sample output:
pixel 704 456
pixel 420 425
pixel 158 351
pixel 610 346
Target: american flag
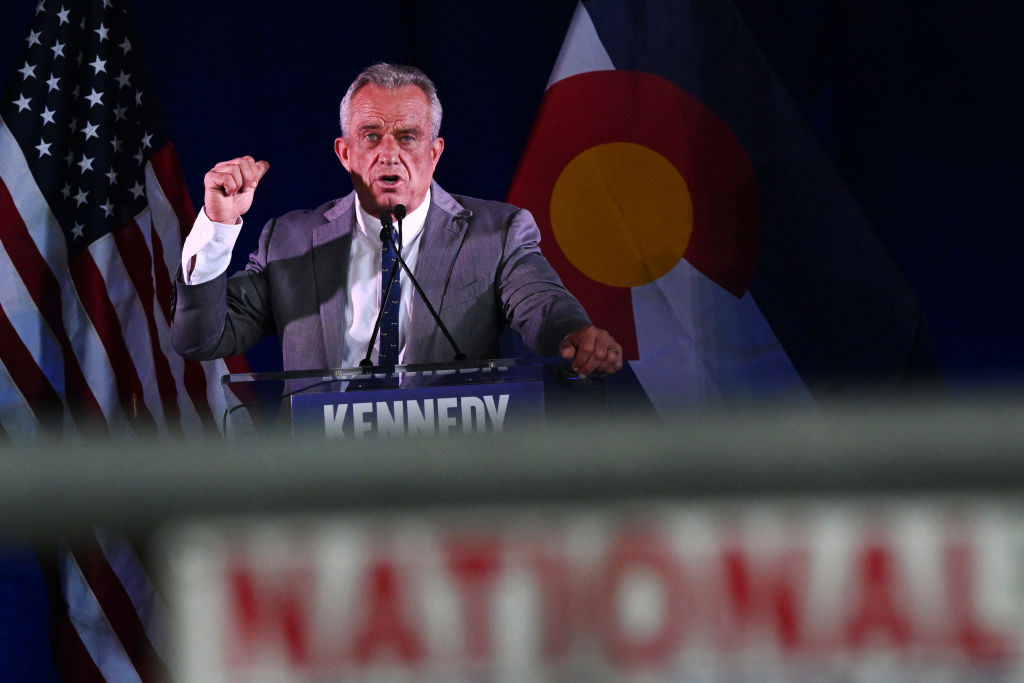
pixel 93 211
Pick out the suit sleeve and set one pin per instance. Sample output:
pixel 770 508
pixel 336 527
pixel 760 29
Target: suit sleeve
pixel 535 302
pixel 224 316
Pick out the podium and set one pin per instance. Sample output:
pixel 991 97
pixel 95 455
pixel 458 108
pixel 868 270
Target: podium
pixel 461 397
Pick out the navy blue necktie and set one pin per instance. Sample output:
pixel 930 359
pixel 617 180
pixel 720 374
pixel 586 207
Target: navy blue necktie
pixel 389 320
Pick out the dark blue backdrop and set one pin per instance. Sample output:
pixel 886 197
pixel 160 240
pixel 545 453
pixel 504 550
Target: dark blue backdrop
pixel 913 101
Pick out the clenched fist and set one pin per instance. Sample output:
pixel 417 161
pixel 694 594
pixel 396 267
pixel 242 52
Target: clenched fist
pixel 229 188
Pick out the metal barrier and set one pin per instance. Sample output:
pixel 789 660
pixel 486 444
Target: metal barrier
pixel 860 446
pixel 875 539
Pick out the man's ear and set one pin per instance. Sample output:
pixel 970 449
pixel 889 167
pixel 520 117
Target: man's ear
pixel 436 147
pixel 341 149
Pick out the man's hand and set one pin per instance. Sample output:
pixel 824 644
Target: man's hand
pixel 230 186
pixel 591 349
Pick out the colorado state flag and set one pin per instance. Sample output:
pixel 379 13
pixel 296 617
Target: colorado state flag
pixel 684 201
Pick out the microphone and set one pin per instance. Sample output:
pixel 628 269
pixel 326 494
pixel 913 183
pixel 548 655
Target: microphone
pixel 399 216
pixel 385 235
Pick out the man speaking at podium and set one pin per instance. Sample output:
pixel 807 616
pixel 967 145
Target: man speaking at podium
pixel 320 278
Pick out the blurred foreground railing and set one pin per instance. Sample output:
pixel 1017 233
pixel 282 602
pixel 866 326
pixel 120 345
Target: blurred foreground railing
pixel 873 540
pixel 926 446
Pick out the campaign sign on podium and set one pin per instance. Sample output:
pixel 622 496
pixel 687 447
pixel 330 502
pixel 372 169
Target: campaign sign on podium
pixel 414 411
pixel 445 398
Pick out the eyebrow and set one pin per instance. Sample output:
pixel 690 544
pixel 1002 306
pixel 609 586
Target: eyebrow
pixel 372 127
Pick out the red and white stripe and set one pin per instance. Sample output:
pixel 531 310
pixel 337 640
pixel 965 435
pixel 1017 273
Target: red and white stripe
pixel 87 343
pixel 85 347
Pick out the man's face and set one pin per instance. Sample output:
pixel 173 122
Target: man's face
pixel 388 150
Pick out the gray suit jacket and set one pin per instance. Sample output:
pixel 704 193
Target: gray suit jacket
pixel 479 265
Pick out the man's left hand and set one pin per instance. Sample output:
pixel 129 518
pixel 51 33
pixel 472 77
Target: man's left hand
pixel 591 349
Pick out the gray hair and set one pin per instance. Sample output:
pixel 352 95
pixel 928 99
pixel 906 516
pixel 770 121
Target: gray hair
pixel 393 77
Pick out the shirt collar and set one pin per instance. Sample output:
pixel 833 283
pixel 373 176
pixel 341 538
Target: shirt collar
pixel 412 224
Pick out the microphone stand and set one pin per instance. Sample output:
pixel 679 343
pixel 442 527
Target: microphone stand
pixel 385 236
pixel 385 220
pixel 459 355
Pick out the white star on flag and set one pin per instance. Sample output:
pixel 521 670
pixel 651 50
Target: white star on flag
pixel 22 103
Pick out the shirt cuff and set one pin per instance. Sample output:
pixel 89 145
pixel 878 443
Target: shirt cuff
pixel 207 250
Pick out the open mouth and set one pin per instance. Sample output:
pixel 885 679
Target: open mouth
pixel 389 179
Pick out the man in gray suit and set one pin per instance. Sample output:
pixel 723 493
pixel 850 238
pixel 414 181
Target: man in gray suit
pixel 315 278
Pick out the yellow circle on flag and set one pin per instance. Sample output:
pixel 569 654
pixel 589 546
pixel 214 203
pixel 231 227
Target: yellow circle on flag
pixel 622 214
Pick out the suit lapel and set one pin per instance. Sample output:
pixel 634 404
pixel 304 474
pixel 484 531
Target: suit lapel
pixel 443 233
pixel 332 242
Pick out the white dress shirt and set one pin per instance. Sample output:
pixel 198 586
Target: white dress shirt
pixel 211 243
